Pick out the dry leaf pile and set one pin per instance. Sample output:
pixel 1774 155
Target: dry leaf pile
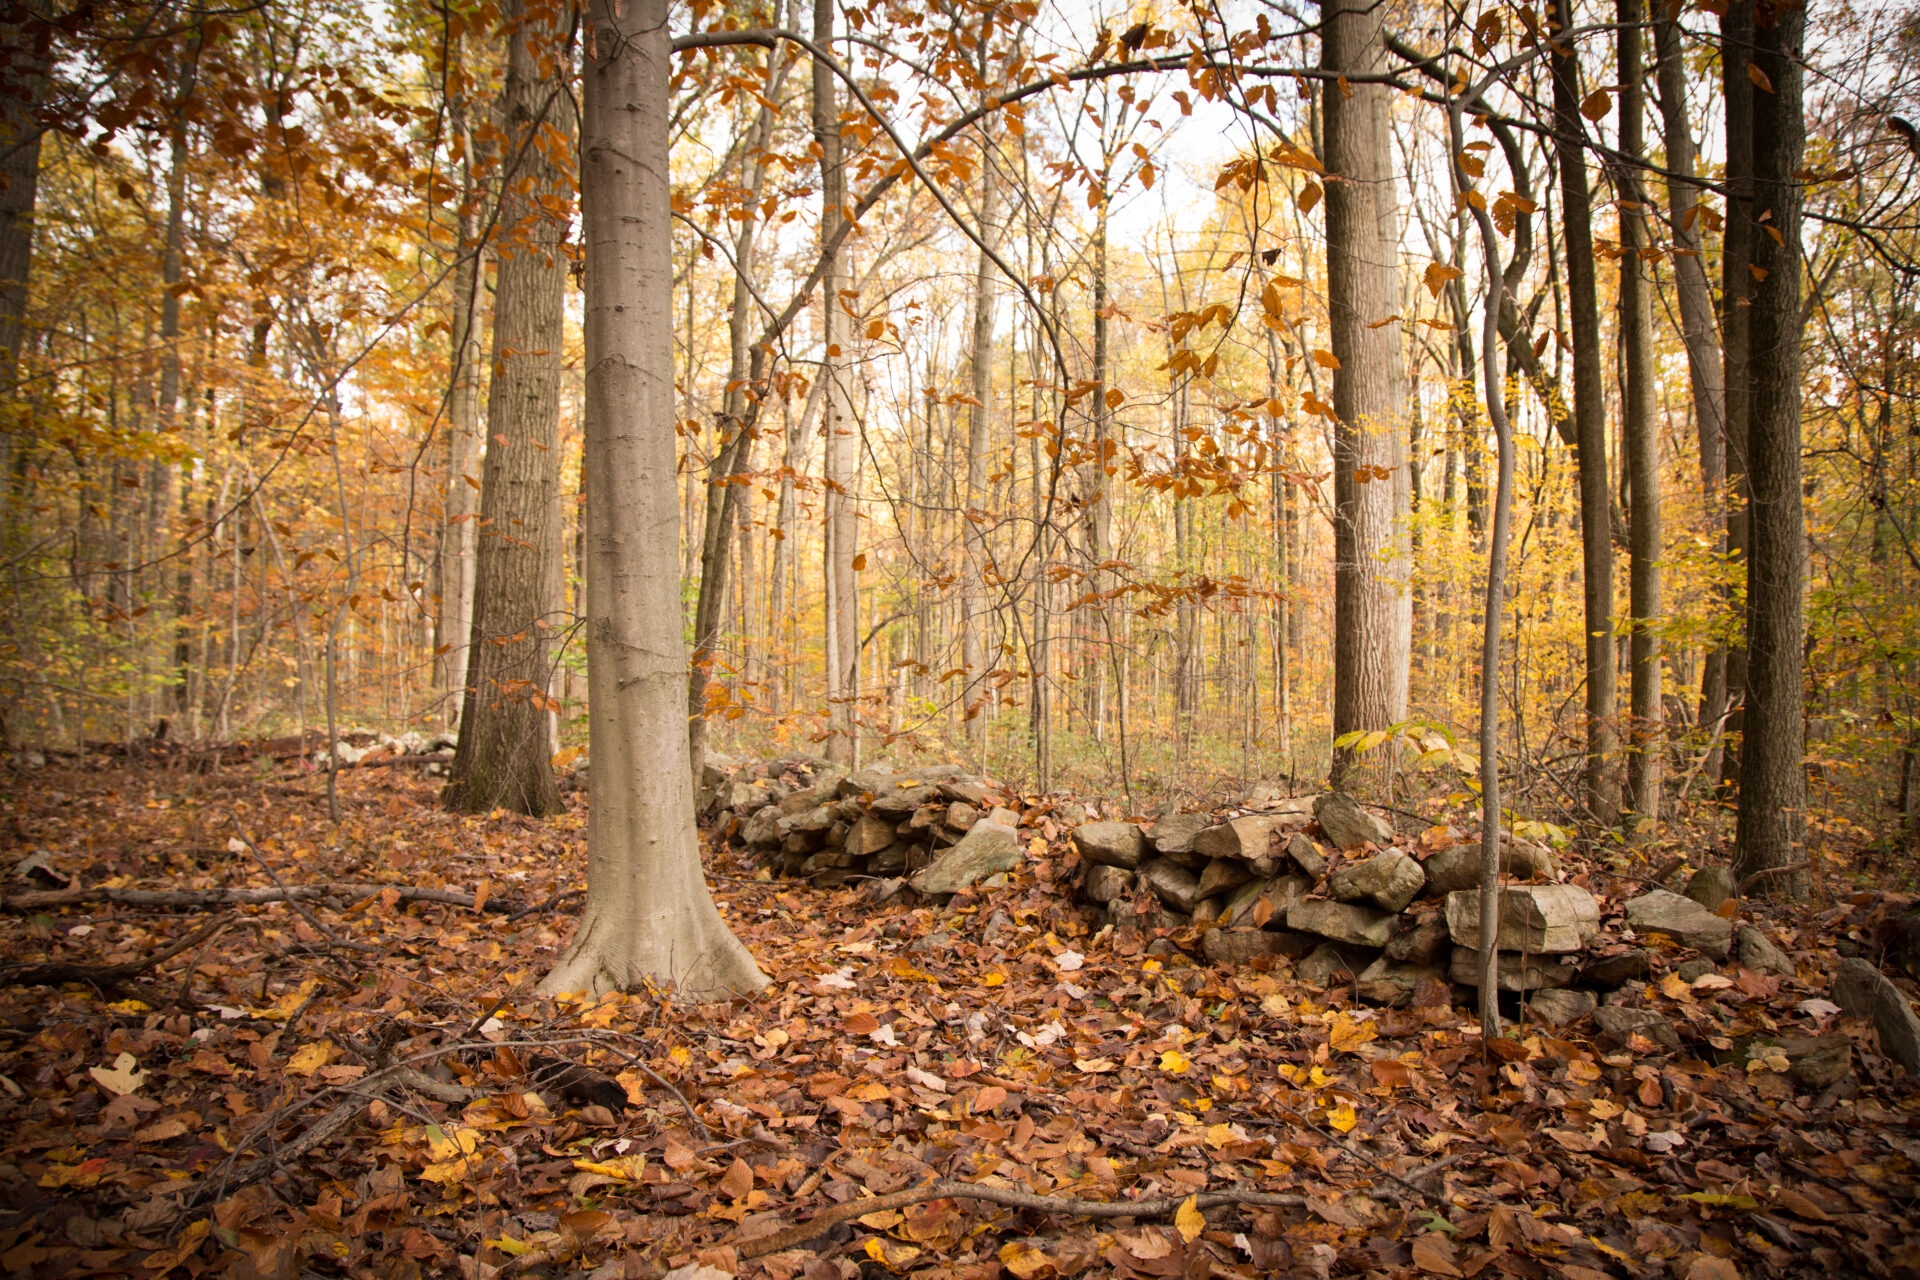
pixel 359 1082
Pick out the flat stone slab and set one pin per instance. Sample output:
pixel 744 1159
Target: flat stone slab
pixel 988 848
pixel 1174 832
pixel 1250 839
pixel 1348 922
pixel 1865 992
pixel 1111 844
pixel 1279 892
pixel 1458 867
pixel 1105 883
pixel 1392 984
pixel 1389 880
pixel 1347 824
pixel 1172 883
pixel 1757 952
pixel 1618 1025
pixel 1514 973
pixel 1556 1008
pixel 1682 919
pixel 1539 919
pixel 1238 946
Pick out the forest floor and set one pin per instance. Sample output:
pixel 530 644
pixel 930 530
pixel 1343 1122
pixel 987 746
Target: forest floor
pixel 365 1086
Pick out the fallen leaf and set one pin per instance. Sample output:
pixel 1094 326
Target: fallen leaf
pixel 121 1077
pixel 1188 1219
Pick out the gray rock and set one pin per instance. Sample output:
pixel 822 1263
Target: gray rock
pixel 1174 832
pixel 1387 983
pixel 1390 880
pixel 961 816
pixel 1112 844
pixel 1348 825
pixel 1279 892
pixel 962 786
pixel 1072 813
pixel 1237 946
pixel 1328 964
pixel 1458 867
pixel 876 780
pixel 1711 886
pixel 902 802
pixel 1539 919
pixel 1688 970
pixel 1683 920
pixel 1347 922
pixel 1559 1007
pixel 1206 912
pixel 927 815
pixel 1757 952
pixel 762 829
pixel 1306 854
pixel 1105 883
pixel 1424 944
pixel 869 836
pixel 1813 1061
pixel 820 817
pixel 881 893
pixel 1222 874
pixel 1618 1025
pixel 1865 992
pixel 1172 883
pixel 1619 969
pixel 988 848
pixel 1250 839
pixel 890 859
pixel 1514 972
pixel 1274 798
pixel 1004 816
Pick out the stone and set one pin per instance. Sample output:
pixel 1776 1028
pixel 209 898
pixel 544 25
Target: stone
pixel 1458 867
pixel 962 786
pixel 1306 854
pixel 1424 943
pixel 1347 922
pixel 1249 839
pixel 1690 970
pixel 1004 816
pixel 1515 973
pixel 1221 874
pixel 1237 946
pixel 961 816
pixel 1206 912
pixel 1172 883
pixel 1387 983
pixel 869 836
pixel 1711 886
pixel 1682 919
pixel 820 817
pixel 1538 919
pixel 1619 969
pixel 1865 992
pixel 1328 964
pixel 1558 1007
pixel 989 847
pixel 1813 1061
pixel 1757 952
pixel 890 859
pixel 1347 825
pixel 1274 798
pixel 1112 844
pixel 927 815
pixel 1072 813
pixel 899 803
pixel 1105 883
pixel 1279 892
pixel 1390 880
pixel 1174 832
pixel 876 780
pixel 1619 1024
pixel 881 893
pixel 763 827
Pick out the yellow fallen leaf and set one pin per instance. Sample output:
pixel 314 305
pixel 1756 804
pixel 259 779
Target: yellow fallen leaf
pixel 1676 987
pixel 309 1058
pixel 443 1144
pixel 1023 1260
pixel 1189 1219
pixel 508 1245
pixel 624 1168
pixel 1219 1135
pixel 882 1220
pixel 892 1256
pixel 1346 1035
pixel 1343 1118
pixel 1093 1066
pixel 1174 1062
pixel 130 1006
pixel 121 1078
pixel 996 979
pixel 283 1008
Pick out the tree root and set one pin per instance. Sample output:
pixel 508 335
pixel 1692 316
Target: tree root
pixel 1012 1198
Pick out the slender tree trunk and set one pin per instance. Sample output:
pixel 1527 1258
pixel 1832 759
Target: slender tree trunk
pixel 1773 789
pixel 460 532
pixel 1590 427
pixel 974 610
pixel 648 913
pixel 1371 640
pixel 1640 437
pixel 1100 495
pixel 504 756
pixel 1737 287
pixel 23 75
pixel 842 513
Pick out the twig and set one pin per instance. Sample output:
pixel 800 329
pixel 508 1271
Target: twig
pixel 949 1189
pixel 1350 1147
pixel 40 899
pixel 542 906
pixel 48 975
pixel 385 762
pixel 1768 872
pixel 305 914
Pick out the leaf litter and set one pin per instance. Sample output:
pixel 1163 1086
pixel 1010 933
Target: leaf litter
pixel 363 1084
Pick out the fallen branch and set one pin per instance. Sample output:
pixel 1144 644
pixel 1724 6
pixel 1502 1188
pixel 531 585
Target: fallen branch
pixel 41 899
pixel 107 975
pixel 1012 1198
pixel 1767 873
pixel 431 757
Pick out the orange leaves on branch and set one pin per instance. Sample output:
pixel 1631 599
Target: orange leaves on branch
pixel 1437 276
pixel 1597 104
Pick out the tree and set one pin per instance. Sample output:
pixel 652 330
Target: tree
pixel 1736 314
pixel 842 463
pixel 648 913
pixel 1590 421
pixel 1372 621
pixel 460 528
pixel 24 46
pixel 503 758
pixel 1773 787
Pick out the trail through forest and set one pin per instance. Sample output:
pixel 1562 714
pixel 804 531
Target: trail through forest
pixel 360 1082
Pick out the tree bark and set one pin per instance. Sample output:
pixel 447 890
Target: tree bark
pixel 975 616
pixel 460 531
pixel 1372 640
pixel 648 913
pixel 1590 425
pixel 504 756
pixel 1772 822
pixel 1736 290
pixel 841 462
pixel 1640 437
pixel 24 49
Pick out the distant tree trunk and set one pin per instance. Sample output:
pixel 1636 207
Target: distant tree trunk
pixel 1590 427
pixel 1100 512
pixel 974 611
pixel 1640 436
pixel 1737 287
pixel 504 756
pixel 23 75
pixel 842 462
pixel 1371 621
pixel 648 913
pixel 1773 795
pixel 460 532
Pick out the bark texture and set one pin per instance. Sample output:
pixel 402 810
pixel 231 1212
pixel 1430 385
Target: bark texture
pixel 1372 618
pixel 977 619
pixel 460 531
pixel 1736 308
pixel 1773 792
pixel 648 913
pixel 841 461
pixel 504 756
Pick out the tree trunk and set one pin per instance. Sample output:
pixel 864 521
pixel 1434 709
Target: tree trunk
pixel 1640 437
pixel 1737 287
pixel 1590 426
pixel 841 462
pixel 1371 637
pixel 648 913
pixel 975 616
pixel 460 532
pixel 23 68
pixel 1772 822
pixel 504 756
